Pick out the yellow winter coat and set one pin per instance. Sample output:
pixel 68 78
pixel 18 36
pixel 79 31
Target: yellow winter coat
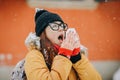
pixel 62 68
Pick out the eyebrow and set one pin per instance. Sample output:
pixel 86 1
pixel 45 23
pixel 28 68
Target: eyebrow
pixel 57 23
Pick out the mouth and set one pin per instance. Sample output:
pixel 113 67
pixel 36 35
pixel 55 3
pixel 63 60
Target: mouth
pixel 60 38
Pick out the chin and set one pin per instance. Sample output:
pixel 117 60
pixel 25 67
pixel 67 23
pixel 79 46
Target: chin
pixel 59 44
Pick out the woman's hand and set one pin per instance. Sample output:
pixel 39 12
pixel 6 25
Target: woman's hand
pixel 77 41
pixel 76 50
pixel 71 41
pixel 70 44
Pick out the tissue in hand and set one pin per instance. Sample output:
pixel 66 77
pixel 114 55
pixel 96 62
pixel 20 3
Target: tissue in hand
pixel 72 30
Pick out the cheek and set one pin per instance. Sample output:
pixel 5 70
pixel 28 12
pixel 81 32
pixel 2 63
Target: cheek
pixel 52 36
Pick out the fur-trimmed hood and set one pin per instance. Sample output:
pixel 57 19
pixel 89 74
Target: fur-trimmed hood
pixel 32 41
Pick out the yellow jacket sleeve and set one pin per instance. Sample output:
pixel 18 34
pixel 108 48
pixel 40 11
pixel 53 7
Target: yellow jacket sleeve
pixel 36 69
pixel 85 70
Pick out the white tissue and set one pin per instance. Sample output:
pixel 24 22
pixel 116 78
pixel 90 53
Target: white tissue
pixel 72 30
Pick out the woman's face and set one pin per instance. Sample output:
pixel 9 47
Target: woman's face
pixel 55 32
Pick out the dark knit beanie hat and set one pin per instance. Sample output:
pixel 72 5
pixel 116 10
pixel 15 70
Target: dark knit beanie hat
pixel 43 18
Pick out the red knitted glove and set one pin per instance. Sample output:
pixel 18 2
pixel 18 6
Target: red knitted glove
pixel 76 51
pixel 65 52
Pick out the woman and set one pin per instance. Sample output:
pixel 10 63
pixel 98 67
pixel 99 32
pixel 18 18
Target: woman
pixel 58 56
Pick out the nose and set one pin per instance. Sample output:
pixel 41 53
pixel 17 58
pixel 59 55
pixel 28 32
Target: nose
pixel 60 29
